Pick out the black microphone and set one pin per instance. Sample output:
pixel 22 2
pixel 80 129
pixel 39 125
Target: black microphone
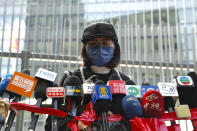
pixel 101 105
pixel 193 75
pixel 72 86
pixel 114 77
pixel 117 96
pixel 170 95
pixel 26 71
pixel 101 98
pixel 57 94
pixel 45 79
pixel 146 84
pixel 186 91
pixel 87 89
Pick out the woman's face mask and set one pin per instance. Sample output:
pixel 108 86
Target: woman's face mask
pixel 101 55
pixel 100 51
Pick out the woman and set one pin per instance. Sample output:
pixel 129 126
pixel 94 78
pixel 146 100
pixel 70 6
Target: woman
pixel 100 54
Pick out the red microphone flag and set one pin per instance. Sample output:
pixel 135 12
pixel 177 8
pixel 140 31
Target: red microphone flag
pixel 117 86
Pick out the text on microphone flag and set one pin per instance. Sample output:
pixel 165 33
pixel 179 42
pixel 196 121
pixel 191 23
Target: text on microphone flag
pixel 167 89
pixel 117 86
pixel 22 84
pixel 151 97
pixel 54 92
pixel 45 74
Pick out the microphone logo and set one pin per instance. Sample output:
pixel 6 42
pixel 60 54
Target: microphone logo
pixel 184 80
pixel 132 91
pixel 103 91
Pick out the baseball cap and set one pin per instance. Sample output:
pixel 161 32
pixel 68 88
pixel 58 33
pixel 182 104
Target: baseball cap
pixel 99 29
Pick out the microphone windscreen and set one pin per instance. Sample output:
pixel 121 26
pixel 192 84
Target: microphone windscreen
pixel 168 103
pixel 5 81
pixel 101 106
pixel 26 71
pixel 99 82
pixel 117 100
pixel 114 77
pixel 41 87
pixel 187 96
pixel 3 85
pixel 72 81
pixel 152 104
pixel 146 83
pixel 193 75
pixel 129 82
pixel 131 107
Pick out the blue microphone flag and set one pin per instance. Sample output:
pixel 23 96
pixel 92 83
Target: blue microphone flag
pixel 145 88
pixel 101 92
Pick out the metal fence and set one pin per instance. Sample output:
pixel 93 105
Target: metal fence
pixel 140 60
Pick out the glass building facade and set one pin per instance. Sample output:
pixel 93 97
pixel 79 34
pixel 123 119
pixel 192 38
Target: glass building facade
pixel 158 38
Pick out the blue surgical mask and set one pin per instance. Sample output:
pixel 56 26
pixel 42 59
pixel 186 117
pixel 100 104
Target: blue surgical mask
pixel 101 55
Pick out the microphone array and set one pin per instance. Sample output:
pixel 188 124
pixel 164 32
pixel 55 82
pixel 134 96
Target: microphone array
pixel 117 97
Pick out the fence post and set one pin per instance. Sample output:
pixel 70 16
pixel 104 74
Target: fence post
pixel 25 55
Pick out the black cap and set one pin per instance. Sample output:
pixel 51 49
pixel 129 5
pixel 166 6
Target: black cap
pixel 99 29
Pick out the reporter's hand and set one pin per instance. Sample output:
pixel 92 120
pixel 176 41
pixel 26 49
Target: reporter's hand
pixel 82 127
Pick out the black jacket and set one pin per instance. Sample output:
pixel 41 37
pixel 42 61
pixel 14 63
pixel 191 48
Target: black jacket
pixel 62 122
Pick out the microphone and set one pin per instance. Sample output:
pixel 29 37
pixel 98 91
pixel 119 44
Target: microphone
pixel 131 107
pixel 20 84
pixel 186 88
pixel 118 90
pixel 55 93
pixel 87 89
pixel 170 95
pixel 114 77
pixel 3 85
pixel 101 98
pixel 45 79
pixel 187 92
pixel 72 86
pixel 152 104
pixel 193 76
pixel 26 72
